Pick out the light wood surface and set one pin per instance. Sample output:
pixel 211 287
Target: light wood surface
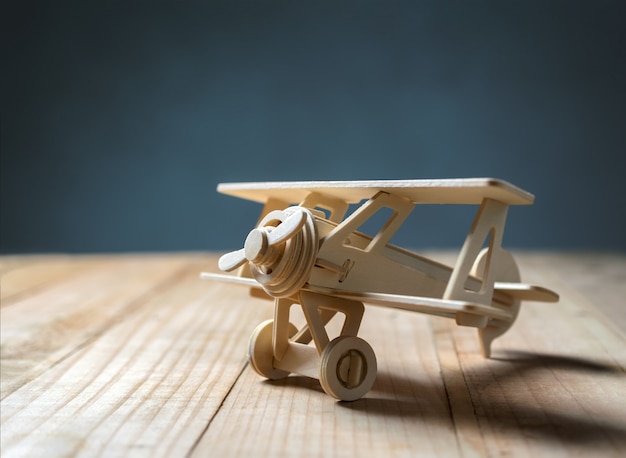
pixel 133 355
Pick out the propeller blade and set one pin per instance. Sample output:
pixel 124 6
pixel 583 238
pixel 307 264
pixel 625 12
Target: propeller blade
pixel 287 229
pixel 230 261
pixel 258 241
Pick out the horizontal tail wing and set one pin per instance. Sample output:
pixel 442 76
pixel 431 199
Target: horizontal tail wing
pixel 525 292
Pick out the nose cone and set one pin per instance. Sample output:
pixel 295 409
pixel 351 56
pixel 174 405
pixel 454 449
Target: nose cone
pixel 255 245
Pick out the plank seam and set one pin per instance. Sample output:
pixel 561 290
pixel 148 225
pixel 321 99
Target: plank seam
pixel 441 332
pixel 206 428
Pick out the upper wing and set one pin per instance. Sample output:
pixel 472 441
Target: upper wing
pixel 446 191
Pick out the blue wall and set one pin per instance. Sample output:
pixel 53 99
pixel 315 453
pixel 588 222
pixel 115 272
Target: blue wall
pixel 120 118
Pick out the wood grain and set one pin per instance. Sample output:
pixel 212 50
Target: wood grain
pixel 48 325
pixel 23 274
pixel 152 384
pixel 134 355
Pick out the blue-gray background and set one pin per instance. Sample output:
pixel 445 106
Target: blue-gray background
pixel 120 118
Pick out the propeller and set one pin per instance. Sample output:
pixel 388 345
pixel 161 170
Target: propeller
pixel 260 242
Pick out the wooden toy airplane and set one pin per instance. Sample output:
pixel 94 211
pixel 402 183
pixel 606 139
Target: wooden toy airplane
pixel 311 254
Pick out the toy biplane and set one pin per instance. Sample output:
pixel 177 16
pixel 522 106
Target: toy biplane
pixel 305 250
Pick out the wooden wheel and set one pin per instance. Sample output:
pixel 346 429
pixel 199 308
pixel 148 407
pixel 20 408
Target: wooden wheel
pixel 348 368
pixel 506 271
pixel 261 351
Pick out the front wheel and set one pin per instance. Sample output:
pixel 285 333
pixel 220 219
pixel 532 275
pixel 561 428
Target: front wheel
pixel 261 351
pixel 348 368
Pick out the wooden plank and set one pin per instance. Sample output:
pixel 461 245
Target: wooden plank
pixel 147 386
pixel 43 328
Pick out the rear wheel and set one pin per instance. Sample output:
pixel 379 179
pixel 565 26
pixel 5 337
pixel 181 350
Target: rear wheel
pixel 347 368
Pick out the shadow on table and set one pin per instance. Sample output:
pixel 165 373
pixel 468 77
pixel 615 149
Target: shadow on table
pixel 527 361
pixel 495 407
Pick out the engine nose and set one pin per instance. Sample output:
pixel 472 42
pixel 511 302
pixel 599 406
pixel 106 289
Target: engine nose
pixel 281 251
pixel 256 245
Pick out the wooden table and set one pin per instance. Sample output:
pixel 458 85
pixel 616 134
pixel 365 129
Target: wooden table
pixel 133 355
